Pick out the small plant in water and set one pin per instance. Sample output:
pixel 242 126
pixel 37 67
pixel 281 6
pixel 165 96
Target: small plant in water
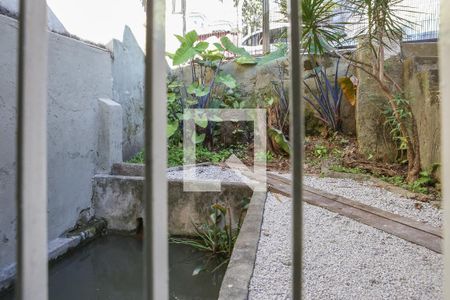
pixel 217 237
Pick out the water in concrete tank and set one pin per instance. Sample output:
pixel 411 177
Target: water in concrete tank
pixel 111 268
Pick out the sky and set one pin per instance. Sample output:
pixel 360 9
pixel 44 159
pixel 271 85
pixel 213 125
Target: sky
pixel 102 20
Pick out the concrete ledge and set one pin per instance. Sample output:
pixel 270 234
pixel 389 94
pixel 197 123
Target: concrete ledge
pixel 130 169
pixel 56 248
pixel 237 278
pixel 118 199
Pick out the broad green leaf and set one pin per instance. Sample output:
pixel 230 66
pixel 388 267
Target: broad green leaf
pixel 171 97
pixel 191 37
pixel 230 47
pixel 227 80
pixel 180 38
pixel 215 118
pixel 246 60
pixel 170 55
pixel 212 55
pixel 198 138
pixel 201 46
pixel 183 54
pixel 172 127
pixel 279 53
pixel 202 121
pixel 219 47
pixel 198 90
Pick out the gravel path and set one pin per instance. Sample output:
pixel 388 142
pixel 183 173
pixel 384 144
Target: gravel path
pixel 374 196
pixel 368 193
pixel 343 259
pixel 209 173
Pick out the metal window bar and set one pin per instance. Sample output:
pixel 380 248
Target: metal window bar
pixel 297 137
pixel 156 268
pixel 266 27
pixel 32 163
pixel 444 69
pixel 31 194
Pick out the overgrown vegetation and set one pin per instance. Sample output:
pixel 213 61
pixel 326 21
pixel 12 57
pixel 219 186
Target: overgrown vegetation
pixel 216 236
pixel 175 155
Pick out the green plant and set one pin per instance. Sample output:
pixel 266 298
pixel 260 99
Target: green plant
pixel 327 97
pixel 342 169
pixel 395 127
pixel 383 27
pixel 421 185
pixel 216 236
pixel 321 32
pixel 138 158
pixel 320 151
pixel 209 87
pixel 264 156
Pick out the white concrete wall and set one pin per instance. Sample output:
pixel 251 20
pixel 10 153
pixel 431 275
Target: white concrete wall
pixel 128 90
pixel 79 74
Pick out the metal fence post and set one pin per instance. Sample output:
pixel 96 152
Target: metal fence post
pixel 266 26
pixel 155 200
pixel 444 69
pixel 297 137
pixel 32 266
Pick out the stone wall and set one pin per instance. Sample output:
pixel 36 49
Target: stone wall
pixel 85 127
pixel 256 80
pixel 415 68
pixel 421 83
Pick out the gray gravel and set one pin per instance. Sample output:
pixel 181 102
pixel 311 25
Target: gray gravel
pixel 343 259
pixel 374 196
pixel 209 173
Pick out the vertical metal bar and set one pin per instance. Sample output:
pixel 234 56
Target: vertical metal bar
pixel 444 69
pixel 155 199
pixel 32 266
pixel 183 9
pixel 266 26
pixel 297 137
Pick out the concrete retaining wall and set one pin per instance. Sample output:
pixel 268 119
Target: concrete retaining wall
pixel 416 70
pixel 421 83
pixel 118 199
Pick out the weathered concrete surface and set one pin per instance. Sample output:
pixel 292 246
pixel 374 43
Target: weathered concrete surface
pixel 237 278
pixel 79 74
pixel 128 89
pixel 128 169
pixel 421 49
pixel 110 134
pixel 417 73
pixel 118 199
pixel 421 77
pixel 373 137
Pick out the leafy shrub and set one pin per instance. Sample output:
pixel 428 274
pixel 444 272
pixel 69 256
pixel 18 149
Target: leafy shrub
pixel 217 236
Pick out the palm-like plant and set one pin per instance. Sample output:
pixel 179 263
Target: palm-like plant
pixel 321 32
pixel 384 25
